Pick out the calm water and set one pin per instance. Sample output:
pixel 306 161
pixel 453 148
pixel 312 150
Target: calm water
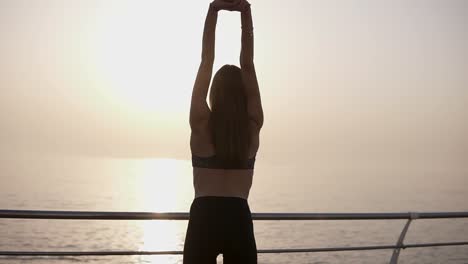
pixel 52 183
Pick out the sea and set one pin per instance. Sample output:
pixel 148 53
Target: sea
pixel 53 182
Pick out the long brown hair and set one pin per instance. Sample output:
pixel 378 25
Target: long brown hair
pixel 229 118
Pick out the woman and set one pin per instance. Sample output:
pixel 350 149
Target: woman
pixel 224 142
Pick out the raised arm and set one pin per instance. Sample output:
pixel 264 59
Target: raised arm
pixel 254 103
pixel 199 111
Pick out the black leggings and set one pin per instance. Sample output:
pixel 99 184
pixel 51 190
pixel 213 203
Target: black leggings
pixel 220 225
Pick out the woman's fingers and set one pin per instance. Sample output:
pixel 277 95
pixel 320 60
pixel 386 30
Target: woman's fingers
pixel 231 3
pixel 242 6
pixel 226 4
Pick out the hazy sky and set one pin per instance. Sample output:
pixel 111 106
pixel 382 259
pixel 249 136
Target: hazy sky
pixel 339 79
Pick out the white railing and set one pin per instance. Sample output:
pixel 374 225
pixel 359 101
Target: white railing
pixel 76 215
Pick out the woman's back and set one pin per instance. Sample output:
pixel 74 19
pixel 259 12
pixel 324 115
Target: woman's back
pixel 210 178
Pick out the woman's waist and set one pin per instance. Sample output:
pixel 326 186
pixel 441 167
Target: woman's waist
pixel 220 189
pixel 202 193
pixel 219 206
pixel 222 185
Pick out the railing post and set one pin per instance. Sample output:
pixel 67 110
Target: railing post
pixel 399 244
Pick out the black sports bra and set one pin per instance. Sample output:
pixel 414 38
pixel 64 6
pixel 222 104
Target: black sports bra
pixel 214 163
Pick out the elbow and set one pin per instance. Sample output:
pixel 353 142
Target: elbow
pixel 257 118
pixel 207 60
pixel 247 65
pixel 258 122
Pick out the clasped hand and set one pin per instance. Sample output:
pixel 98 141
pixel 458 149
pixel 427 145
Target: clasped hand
pixel 230 5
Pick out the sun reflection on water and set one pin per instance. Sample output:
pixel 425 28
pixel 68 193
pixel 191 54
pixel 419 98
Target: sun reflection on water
pixel 163 185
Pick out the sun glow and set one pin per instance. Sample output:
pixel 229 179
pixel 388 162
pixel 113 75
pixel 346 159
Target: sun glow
pixel 147 59
pixel 135 54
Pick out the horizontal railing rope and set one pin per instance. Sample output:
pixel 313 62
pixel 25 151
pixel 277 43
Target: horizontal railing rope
pixel 260 251
pixel 85 215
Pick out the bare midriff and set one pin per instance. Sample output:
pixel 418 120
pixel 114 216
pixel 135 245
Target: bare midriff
pixel 221 182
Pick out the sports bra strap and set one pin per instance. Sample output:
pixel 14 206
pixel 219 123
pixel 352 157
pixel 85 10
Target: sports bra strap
pixel 213 162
